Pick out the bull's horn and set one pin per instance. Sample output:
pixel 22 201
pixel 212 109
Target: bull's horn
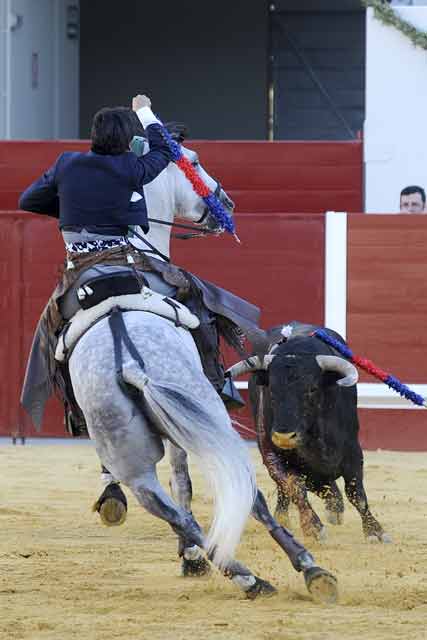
pixel 251 364
pixel 244 366
pixel 340 365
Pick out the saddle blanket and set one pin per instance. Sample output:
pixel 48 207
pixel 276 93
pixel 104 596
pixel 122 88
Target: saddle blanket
pixel 147 300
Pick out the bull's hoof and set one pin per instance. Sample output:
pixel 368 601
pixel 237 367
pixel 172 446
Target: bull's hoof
pixel 381 537
pixel 322 535
pixel 112 506
pixel 322 585
pixel 260 588
pixel 195 568
pixel 319 535
pixel 334 517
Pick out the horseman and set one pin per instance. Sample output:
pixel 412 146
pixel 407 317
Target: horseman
pixel 98 198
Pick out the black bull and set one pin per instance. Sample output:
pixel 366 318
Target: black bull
pixel 307 427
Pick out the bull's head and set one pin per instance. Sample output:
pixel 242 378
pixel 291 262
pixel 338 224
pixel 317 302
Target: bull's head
pixel 303 390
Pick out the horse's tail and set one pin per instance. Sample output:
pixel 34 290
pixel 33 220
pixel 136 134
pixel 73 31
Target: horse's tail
pixel 224 460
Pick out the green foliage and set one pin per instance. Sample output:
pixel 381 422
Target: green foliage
pixel 384 12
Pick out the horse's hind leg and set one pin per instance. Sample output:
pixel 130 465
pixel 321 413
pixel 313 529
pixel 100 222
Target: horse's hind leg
pixel 180 481
pixel 320 583
pixel 131 450
pixel 152 496
pixel 193 561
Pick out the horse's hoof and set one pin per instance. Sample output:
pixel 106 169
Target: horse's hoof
pixel 322 585
pixel 260 588
pixel 334 517
pixel 195 568
pixel 112 506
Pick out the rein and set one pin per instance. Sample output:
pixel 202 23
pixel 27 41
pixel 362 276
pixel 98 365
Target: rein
pixel 151 246
pixel 197 233
pixel 200 232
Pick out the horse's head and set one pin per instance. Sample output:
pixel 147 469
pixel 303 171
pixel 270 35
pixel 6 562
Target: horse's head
pixel 171 195
pixel 188 204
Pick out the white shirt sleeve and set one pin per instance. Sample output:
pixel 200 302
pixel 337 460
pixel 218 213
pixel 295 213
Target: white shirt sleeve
pixel 147 117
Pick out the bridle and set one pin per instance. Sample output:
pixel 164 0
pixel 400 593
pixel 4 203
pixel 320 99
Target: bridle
pixel 197 232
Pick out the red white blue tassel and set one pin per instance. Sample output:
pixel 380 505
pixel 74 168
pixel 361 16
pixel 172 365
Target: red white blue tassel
pixel 224 220
pixel 371 368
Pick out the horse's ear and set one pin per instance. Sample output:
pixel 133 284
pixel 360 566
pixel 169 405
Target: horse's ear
pixel 178 130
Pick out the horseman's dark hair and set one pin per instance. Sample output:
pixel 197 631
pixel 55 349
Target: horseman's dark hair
pixel 407 191
pixel 113 130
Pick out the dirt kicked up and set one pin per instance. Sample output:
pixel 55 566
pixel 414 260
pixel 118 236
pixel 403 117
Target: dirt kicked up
pixel 65 576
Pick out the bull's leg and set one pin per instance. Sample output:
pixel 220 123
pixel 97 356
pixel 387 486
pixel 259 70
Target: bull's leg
pixel 112 503
pixel 282 506
pixel 292 487
pixel 334 502
pixel 311 524
pixel 320 583
pixel 193 561
pixel 356 494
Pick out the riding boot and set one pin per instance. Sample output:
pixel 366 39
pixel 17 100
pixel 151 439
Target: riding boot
pixel 206 337
pixel 75 422
pixel 207 343
pixel 74 419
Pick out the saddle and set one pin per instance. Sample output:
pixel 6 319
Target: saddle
pixel 98 296
pixel 220 313
pixel 101 281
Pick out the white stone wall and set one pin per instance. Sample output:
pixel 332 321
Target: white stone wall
pixel 395 131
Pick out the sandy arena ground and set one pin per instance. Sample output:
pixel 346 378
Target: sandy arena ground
pixel 65 576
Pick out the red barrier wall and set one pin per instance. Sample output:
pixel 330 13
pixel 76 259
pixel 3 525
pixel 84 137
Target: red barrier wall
pixel 393 429
pixel 278 266
pixel 262 177
pixel 386 311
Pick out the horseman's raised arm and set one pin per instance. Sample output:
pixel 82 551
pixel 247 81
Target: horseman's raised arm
pixel 42 195
pixel 147 167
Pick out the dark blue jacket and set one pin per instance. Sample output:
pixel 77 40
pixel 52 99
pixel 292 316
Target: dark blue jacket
pixel 92 190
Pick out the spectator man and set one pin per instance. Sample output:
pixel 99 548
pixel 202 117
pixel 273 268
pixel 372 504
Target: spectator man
pixel 413 200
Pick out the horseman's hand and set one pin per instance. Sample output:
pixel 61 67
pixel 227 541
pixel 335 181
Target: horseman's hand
pixel 140 101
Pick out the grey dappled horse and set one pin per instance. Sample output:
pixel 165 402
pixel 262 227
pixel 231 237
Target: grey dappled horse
pixel 161 393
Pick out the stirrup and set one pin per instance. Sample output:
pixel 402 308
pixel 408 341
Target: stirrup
pixel 230 395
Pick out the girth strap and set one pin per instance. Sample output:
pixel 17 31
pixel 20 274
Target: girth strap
pixel 175 307
pixel 120 335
